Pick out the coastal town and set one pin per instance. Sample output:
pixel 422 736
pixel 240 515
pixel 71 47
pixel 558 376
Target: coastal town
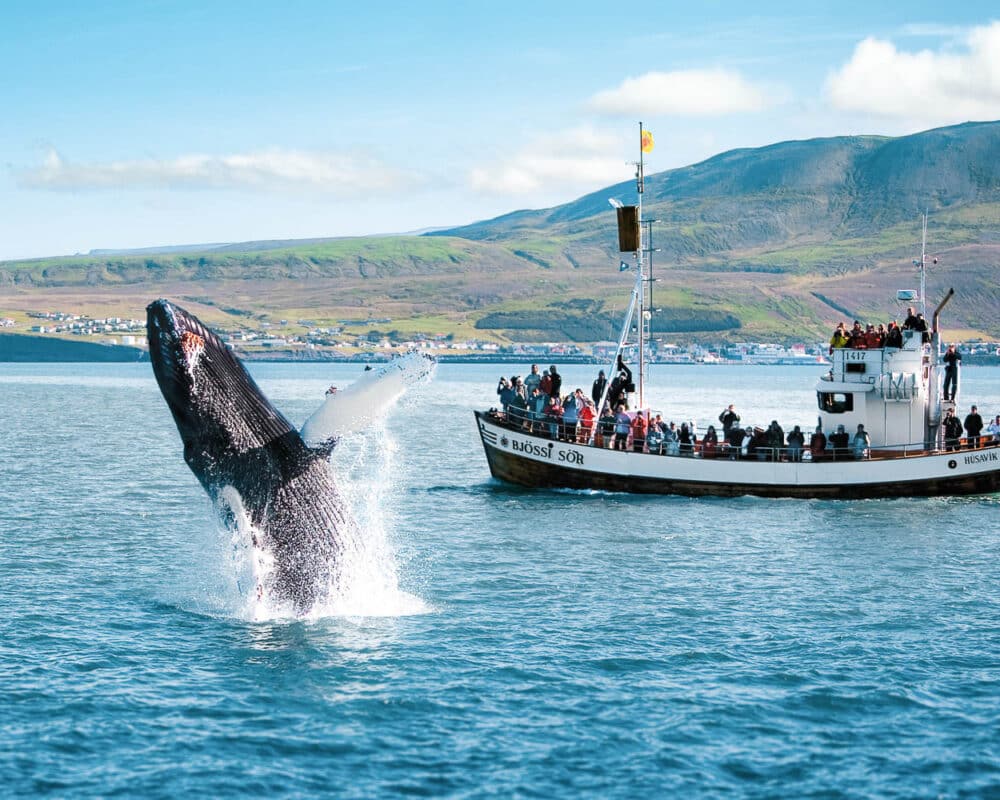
pixel 375 339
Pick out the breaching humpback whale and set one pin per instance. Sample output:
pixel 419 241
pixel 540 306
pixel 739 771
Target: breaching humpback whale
pixel 251 460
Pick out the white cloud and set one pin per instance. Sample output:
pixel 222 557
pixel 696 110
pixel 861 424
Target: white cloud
pixel 927 87
pixel 576 160
pixel 265 171
pixel 692 92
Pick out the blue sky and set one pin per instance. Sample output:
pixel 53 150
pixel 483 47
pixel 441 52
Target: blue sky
pixel 133 124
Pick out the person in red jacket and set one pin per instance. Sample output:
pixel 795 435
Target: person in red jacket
pixel 639 432
pixel 586 422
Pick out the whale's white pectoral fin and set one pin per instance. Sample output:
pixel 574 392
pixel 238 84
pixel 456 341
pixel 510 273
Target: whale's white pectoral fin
pixel 366 400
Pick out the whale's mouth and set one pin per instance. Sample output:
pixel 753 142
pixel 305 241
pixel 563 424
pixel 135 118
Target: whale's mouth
pixel 212 396
pixel 177 344
pixel 176 339
pixel 164 331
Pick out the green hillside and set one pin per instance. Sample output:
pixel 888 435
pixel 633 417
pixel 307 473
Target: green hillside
pixel 769 243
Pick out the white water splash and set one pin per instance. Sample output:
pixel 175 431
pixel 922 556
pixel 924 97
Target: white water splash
pixel 250 564
pixel 369 581
pixel 366 582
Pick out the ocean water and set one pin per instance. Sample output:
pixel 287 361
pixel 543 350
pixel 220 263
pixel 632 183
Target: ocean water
pixel 511 643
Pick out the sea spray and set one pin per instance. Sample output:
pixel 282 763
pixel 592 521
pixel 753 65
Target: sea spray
pixel 365 582
pixel 369 575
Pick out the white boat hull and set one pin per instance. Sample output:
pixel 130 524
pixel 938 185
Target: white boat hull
pixel 536 461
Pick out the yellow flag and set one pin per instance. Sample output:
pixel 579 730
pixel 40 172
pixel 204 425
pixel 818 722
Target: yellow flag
pixel 647 142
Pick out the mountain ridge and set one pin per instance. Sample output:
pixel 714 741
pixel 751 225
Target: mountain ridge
pixel 752 234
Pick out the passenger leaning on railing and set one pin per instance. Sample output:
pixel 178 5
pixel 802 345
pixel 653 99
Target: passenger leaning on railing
pixel 973 427
pixel 654 438
pixel 736 437
pixel 570 416
pixel 817 445
pixel 993 429
pixel 861 443
pixel 710 443
pixel 796 441
pixel 536 407
pixel 757 447
pixel 952 431
pixel 687 440
pixel 840 441
pixel 586 422
pixel 775 439
pixel 531 380
pixel 638 432
pixel 553 416
pixel 606 428
pixel 839 339
pixel 622 426
pixel 671 440
pixel 517 411
pixel 505 392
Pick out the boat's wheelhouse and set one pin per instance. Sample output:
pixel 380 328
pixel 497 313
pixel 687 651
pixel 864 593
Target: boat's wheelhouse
pixel 885 389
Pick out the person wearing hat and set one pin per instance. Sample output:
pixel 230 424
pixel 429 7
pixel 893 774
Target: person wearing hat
pixel 840 441
pixel 952 431
pixel 817 444
pixel 556 382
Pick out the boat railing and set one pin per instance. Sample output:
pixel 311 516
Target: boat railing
pixel 550 429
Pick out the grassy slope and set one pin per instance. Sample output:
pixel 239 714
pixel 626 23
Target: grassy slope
pixel 787 238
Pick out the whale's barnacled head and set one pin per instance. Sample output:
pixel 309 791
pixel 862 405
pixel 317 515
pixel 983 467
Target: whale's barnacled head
pixel 215 403
pixel 177 341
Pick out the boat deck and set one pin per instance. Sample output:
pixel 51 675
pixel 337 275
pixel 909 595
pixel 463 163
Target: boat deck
pixel 724 451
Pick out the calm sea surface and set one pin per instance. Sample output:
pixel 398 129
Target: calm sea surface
pixel 533 644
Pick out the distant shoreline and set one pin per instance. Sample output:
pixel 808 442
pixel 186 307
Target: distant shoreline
pixel 25 348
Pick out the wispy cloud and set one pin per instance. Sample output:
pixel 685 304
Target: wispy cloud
pixel 927 87
pixel 934 29
pixel 572 160
pixel 265 171
pixel 690 92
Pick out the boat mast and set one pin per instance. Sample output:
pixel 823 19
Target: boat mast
pixel 622 339
pixel 630 228
pixel 641 277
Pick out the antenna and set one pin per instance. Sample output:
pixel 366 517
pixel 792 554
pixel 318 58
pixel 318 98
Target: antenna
pixel 923 271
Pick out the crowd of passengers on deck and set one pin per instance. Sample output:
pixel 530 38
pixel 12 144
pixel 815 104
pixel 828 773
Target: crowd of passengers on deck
pixel 871 337
pixel 536 404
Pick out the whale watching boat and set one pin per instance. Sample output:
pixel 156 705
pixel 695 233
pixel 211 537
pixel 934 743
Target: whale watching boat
pixel 895 392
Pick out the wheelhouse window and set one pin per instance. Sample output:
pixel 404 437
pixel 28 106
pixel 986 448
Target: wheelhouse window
pixel 835 402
